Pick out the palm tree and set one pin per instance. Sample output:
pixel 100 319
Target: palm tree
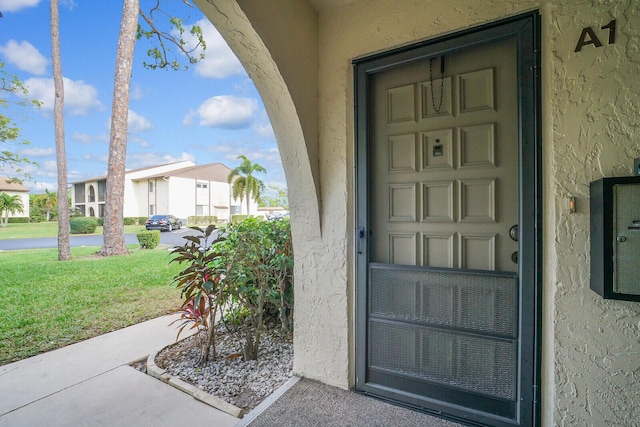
pixel 47 201
pixel 9 204
pixel 245 185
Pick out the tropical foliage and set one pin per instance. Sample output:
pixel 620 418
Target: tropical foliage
pixel 242 274
pixel 12 93
pixel 277 197
pixel 9 205
pixel 245 186
pixel 45 203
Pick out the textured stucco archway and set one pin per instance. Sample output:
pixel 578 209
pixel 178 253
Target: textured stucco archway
pixel 293 115
pixel 278 44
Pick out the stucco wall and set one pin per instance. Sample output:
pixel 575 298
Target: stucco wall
pixel 595 107
pixel 591 102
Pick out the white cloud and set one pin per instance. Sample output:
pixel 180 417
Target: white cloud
pixel 137 92
pixel 16 5
pixel 146 158
pixel 219 60
pixel 69 4
pixel 224 111
pixel 25 56
pixel 39 186
pixel 50 166
pixel 88 139
pixel 37 152
pixel 137 123
pixel 96 158
pixel 79 97
pixel 264 130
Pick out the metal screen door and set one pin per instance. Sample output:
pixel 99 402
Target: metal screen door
pixel 443 319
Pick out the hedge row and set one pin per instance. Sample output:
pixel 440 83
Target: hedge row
pixel 19 220
pixel 135 220
pixel 202 220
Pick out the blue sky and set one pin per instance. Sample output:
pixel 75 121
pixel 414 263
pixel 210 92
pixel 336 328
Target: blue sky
pixel 209 113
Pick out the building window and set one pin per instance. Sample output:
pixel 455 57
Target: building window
pixel 235 210
pixel 151 186
pixel 102 188
pixel 152 209
pixel 92 194
pixel 79 190
pixel 200 210
pixel 202 185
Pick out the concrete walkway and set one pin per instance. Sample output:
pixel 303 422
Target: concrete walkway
pixel 90 383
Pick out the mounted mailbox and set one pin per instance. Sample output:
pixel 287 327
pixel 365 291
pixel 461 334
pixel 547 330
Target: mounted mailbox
pixel 615 237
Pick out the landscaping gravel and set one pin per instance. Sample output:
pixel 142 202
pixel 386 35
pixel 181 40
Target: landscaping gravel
pixel 242 383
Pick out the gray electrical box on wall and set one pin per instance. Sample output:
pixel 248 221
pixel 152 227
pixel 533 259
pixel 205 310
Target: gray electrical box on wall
pixel 615 237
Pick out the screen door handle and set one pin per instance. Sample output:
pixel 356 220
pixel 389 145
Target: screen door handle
pixel 359 237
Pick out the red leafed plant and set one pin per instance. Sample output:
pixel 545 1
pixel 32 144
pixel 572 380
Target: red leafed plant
pixel 202 288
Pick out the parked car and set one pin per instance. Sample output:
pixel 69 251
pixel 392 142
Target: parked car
pixel 276 216
pixel 163 222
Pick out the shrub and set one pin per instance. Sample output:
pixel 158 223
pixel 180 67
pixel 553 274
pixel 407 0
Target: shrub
pixel 257 259
pixel 202 220
pixel 245 276
pixel 19 220
pixel 142 220
pixel 82 225
pixel 238 218
pixel 100 221
pixel 149 239
pixel 130 221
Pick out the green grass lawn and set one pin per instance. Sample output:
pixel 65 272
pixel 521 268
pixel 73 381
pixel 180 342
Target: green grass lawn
pixel 47 304
pixel 48 229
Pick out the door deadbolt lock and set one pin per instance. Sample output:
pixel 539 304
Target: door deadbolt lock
pixel 513 232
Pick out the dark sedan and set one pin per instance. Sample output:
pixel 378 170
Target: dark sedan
pixel 163 223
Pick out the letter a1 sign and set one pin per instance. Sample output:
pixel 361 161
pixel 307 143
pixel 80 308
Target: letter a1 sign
pixel 588 36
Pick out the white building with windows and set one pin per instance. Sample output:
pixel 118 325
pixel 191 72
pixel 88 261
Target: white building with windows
pixel 183 189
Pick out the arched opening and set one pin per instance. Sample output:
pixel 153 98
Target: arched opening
pixel 293 116
pixel 278 44
pixel 92 194
pixel 92 212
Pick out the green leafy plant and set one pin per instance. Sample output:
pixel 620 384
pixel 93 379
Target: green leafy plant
pixel 241 273
pixel 202 287
pixel 149 239
pixel 261 277
pixel 82 225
